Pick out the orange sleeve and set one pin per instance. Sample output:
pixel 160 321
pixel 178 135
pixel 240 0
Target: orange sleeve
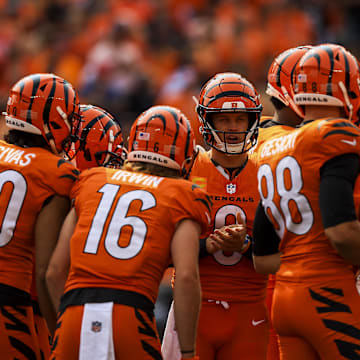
pixel 335 137
pixel 64 173
pixel 192 204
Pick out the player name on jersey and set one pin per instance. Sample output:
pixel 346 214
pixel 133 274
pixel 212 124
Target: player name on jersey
pixel 137 178
pixel 15 156
pixel 278 144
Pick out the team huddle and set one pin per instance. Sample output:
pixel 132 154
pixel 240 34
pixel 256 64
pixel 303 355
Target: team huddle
pixel 260 225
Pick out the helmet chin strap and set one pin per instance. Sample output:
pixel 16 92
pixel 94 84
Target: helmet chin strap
pixel 110 144
pixel 47 130
pixel 64 117
pixel 50 139
pixel 291 102
pixel 346 97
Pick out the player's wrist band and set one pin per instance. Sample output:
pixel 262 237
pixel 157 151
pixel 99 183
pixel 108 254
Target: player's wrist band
pixel 246 244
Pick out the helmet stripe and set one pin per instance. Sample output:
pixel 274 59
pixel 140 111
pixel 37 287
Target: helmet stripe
pixel 293 71
pixel 177 124
pixel 309 56
pixel 226 83
pixel 231 93
pixel 66 94
pixel 22 86
pixel 36 83
pixel 278 82
pixel 117 134
pixel 107 126
pixel 89 125
pixel 347 69
pixel 188 138
pixel 330 53
pixel 49 101
pixel 156 116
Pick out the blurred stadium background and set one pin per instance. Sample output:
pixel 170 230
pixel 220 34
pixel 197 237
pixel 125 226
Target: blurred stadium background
pixel 126 55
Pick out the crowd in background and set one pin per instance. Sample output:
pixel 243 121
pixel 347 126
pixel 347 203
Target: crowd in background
pixel 126 55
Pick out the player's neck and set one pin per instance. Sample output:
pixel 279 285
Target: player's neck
pixel 228 161
pixel 287 116
pixel 319 112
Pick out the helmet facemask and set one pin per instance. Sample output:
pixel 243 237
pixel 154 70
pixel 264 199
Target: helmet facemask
pixel 212 136
pixel 229 93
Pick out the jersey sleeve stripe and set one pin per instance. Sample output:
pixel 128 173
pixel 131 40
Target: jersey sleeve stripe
pixel 205 203
pixel 342 132
pixel 68 176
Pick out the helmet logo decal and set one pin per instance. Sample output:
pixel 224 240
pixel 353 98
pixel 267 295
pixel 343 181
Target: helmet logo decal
pixel 302 78
pixel 233 105
pixel 143 136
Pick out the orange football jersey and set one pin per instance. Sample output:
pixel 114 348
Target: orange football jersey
pixel 267 132
pixel 28 177
pixel 229 276
pixel 289 182
pixel 126 221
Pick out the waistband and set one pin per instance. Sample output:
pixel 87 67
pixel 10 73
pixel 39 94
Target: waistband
pixel 83 296
pixel 10 295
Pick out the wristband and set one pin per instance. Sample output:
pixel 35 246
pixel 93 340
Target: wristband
pixel 246 244
pixel 203 251
pixel 192 358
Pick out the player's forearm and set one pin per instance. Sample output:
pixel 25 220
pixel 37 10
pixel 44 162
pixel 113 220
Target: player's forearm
pixel 45 304
pixel 187 302
pixel 55 286
pixel 345 238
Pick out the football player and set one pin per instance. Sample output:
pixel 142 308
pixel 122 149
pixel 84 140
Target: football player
pixel 35 183
pixel 125 228
pixel 287 114
pixel 233 319
pixel 306 226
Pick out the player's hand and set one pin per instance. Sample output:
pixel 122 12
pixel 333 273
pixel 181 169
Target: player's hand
pixel 212 246
pixel 230 237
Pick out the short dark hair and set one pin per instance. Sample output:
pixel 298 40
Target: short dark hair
pixel 23 139
pixel 149 168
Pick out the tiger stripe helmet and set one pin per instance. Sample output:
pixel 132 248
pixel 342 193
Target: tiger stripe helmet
pixel 162 135
pixel 46 105
pixel 328 74
pixel 280 75
pixel 100 139
pixel 229 92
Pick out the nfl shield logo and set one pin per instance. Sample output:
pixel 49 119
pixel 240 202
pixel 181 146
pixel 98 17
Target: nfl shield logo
pixel 96 326
pixel 230 188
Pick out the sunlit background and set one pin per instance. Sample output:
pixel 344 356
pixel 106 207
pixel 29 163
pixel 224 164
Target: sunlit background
pixel 126 55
